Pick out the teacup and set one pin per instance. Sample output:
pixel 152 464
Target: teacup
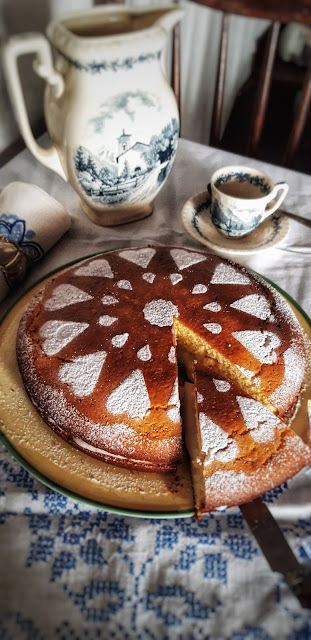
pixel 241 198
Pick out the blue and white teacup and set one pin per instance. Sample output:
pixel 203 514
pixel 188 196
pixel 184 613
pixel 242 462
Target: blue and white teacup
pixel 241 198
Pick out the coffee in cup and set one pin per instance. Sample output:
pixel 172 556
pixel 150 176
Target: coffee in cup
pixel 241 198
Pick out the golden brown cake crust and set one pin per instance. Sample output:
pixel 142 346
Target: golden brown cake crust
pixel 96 347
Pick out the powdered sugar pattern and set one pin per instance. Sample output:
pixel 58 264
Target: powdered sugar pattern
pixel 260 344
pixel 212 306
pixel 83 373
pixel 200 398
pixel 124 284
pixel 229 453
pixel 185 259
pixel 226 274
pixel 141 257
pixel 199 288
pixel 293 376
pixel 160 312
pixel 175 277
pixel 174 397
pixel 100 268
pixel 172 355
pixel 65 295
pixel 222 385
pixel 173 414
pixel 247 372
pixel 58 333
pixel 106 321
pixel 119 340
pixel 227 482
pixel 109 300
pixel 255 305
pixel 216 443
pixel 144 353
pixel 130 397
pixel 258 419
pixel 213 327
pixel 149 277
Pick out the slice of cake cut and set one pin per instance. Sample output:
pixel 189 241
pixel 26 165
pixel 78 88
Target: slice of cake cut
pixel 237 447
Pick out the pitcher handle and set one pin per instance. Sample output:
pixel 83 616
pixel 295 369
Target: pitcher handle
pixel 276 200
pixel 43 65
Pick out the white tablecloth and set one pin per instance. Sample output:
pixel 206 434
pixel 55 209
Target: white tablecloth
pixel 73 572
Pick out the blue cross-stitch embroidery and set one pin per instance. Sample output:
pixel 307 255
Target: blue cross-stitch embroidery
pixel 251 633
pixel 188 557
pixel 23 628
pixel 38 522
pixel 167 538
pixel 62 562
pixel 14 228
pixel 41 550
pixel 271 495
pixel 215 567
pixel 192 606
pixel 93 554
pixel 99 600
pixel 241 546
pixel 18 476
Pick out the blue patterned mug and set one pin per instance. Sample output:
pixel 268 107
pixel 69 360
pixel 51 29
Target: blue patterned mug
pixel 241 198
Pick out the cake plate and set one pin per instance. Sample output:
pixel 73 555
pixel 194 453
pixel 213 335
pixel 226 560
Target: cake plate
pixel 79 476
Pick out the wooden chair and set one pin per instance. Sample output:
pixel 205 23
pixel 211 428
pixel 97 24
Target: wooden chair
pixel 279 12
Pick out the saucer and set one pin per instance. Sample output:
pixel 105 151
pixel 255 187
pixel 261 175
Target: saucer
pixel 196 217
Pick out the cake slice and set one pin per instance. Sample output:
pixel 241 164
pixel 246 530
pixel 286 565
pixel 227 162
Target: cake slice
pixel 237 447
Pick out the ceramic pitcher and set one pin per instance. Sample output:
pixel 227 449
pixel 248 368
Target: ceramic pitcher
pixel 111 115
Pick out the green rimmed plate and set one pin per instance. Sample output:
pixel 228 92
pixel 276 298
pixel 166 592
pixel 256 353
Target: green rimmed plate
pixel 155 495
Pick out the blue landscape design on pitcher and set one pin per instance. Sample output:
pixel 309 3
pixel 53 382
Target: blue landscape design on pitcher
pixel 136 172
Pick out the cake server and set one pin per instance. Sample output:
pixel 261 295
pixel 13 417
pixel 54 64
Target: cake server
pixel 277 551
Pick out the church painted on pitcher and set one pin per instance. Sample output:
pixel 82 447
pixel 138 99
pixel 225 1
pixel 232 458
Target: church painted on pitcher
pixel 131 156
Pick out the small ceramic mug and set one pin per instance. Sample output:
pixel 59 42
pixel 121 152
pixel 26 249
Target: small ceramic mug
pixel 241 198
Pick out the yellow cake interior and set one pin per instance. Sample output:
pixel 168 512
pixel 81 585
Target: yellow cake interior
pixel 192 347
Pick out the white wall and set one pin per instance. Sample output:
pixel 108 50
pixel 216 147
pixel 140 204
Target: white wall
pixel 200 34
pixel 19 16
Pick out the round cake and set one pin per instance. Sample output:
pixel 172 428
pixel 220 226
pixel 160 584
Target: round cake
pixel 97 348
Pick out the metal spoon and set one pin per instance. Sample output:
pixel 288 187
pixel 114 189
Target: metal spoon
pixel 294 216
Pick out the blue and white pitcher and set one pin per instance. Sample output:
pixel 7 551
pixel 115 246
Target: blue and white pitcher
pixel 110 112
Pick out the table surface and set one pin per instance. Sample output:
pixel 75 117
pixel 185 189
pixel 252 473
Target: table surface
pixel 71 571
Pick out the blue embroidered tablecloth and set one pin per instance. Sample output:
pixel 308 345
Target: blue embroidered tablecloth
pixel 70 571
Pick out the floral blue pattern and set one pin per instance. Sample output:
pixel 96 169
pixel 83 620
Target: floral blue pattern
pixel 240 176
pixel 14 228
pixel 113 65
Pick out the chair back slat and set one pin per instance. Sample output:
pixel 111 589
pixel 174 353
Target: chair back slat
pixel 300 118
pixel 264 85
pixel 278 12
pixel 216 124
